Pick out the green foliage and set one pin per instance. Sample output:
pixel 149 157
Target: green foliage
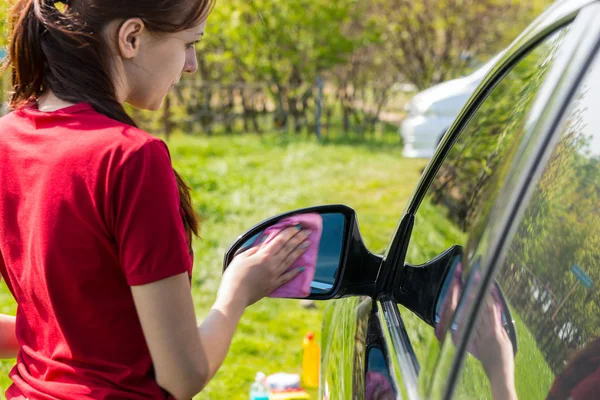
pixel 284 44
pixel 430 41
pixel 3 23
pixel 361 48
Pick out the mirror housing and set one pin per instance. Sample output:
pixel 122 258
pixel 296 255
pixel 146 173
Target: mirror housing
pixel 358 268
pixel 421 285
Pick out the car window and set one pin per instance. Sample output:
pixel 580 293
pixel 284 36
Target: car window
pixel 464 188
pixel 549 277
pixel 379 384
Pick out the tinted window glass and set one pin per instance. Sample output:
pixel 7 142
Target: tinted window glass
pixel 378 383
pixel 550 276
pixel 463 191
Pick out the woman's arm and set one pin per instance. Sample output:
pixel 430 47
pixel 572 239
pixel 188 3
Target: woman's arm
pixel 185 356
pixel 9 347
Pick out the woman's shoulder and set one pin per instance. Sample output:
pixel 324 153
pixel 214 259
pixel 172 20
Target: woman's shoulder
pixel 114 129
pixel 81 132
pixel 112 135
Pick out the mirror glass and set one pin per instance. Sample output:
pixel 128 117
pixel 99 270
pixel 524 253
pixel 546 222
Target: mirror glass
pixel 329 252
pixel 448 303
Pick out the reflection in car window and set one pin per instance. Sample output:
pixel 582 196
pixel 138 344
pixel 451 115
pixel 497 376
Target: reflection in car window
pixel 378 383
pixel 462 193
pixel 551 272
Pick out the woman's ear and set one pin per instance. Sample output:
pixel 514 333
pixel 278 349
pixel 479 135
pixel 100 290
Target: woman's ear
pixel 129 37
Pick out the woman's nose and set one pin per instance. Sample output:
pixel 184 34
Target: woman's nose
pixel 191 62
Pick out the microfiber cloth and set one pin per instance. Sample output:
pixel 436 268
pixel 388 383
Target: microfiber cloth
pixel 300 285
pixel 377 386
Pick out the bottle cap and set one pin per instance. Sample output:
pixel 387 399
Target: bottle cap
pixel 260 377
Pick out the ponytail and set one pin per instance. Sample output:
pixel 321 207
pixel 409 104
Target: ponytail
pixel 52 50
pixel 25 53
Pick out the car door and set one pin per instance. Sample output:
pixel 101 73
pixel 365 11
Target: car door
pixel 549 271
pixel 543 251
pixel 462 190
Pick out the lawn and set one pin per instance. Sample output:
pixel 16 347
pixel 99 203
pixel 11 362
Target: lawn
pixel 239 181
pixel 531 383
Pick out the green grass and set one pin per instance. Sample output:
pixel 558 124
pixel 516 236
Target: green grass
pixel 533 376
pixel 530 383
pixel 239 181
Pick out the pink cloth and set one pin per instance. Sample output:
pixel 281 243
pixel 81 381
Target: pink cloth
pixel 300 285
pixel 377 387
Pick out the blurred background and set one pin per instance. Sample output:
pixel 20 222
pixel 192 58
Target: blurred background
pixel 307 102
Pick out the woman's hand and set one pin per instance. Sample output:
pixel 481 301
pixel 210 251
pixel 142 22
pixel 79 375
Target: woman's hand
pixel 494 351
pixel 258 271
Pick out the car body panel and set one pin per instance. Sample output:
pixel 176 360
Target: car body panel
pixel 403 363
pixel 518 203
pixel 464 190
pixel 343 342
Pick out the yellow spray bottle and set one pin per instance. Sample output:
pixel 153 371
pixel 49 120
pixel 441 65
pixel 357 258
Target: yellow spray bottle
pixel 311 360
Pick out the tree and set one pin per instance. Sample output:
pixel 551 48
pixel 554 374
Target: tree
pixel 430 41
pixel 285 44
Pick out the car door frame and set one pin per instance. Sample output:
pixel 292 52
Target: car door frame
pixel 403 364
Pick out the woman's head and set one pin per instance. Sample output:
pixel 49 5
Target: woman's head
pixel 105 53
pixel 147 64
pixel 103 50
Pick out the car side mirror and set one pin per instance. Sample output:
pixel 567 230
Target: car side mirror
pixel 343 264
pixel 421 285
pixel 428 291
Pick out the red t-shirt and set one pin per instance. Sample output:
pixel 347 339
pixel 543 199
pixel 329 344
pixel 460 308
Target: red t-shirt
pixel 88 207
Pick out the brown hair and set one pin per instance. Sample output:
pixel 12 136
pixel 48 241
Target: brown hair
pixel 63 51
pixel 583 364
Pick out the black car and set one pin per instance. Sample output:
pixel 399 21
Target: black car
pixel 489 286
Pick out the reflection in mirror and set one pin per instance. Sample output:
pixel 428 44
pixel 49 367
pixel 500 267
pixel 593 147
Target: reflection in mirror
pixel 448 298
pixel 328 249
pixel 495 316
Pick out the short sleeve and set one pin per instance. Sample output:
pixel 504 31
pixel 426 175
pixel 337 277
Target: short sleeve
pixel 148 226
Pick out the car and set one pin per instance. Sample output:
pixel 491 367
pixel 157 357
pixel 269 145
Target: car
pixel 489 285
pixel 431 112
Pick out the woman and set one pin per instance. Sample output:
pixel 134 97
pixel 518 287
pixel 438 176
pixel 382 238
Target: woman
pixel 96 228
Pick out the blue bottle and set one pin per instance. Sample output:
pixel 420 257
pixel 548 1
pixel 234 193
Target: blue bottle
pixel 259 390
